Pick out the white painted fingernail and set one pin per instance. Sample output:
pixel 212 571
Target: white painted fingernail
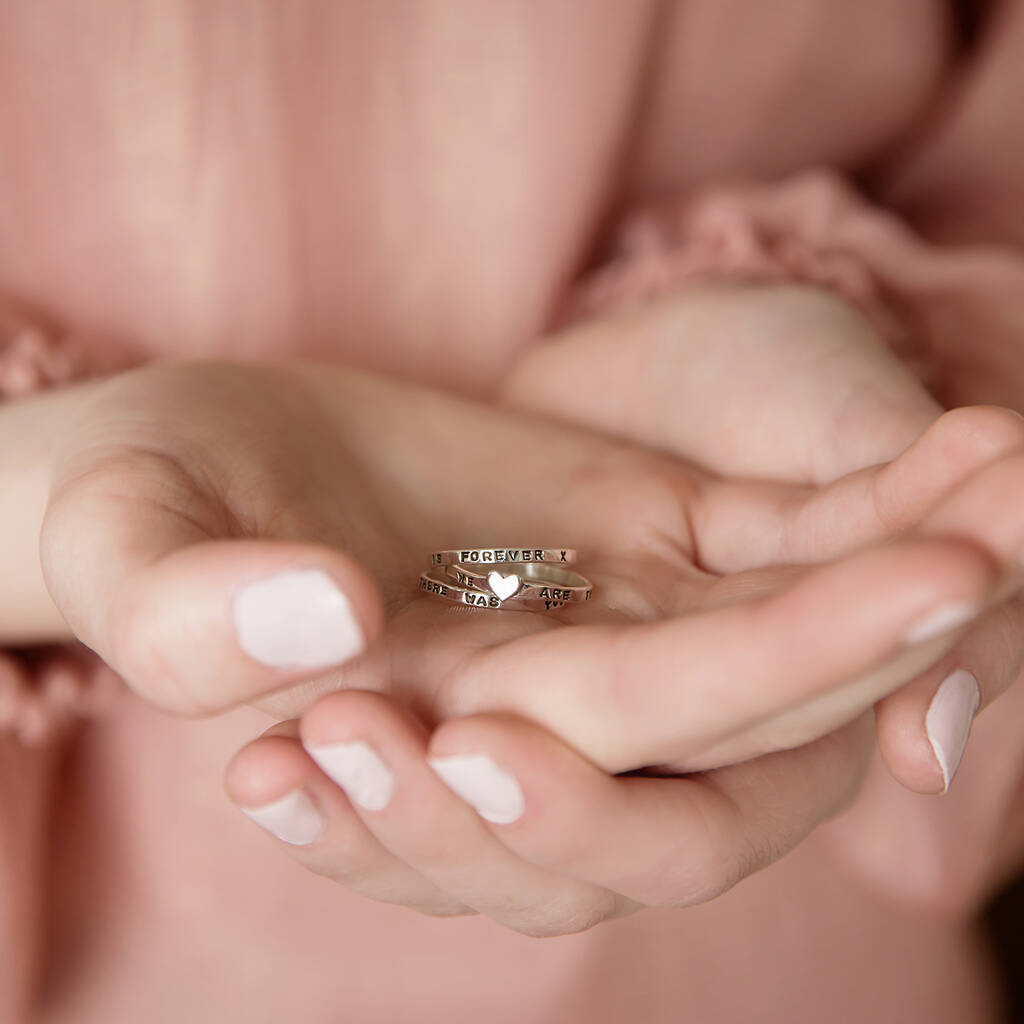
pixel 297 619
pixel 358 769
pixel 949 718
pixel 293 819
pixel 493 792
pixel 943 619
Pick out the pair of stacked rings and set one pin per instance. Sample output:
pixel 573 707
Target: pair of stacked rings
pixel 534 579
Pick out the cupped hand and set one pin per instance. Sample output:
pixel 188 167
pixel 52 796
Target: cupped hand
pixel 712 635
pixel 788 383
pixel 492 814
pixel 221 534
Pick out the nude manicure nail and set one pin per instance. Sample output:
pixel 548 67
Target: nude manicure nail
pixel 493 792
pixel 943 619
pixel 359 770
pixel 297 619
pixel 294 818
pixel 949 718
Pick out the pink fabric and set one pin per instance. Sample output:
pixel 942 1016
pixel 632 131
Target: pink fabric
pixel 43 690
pixel 932 302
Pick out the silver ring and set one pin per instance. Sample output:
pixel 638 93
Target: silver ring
pixel 524 580
pixel 492 556
pixel 436 581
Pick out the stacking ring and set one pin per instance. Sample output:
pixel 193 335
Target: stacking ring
pixel 534 579
pixel 525 581
pixel 436 582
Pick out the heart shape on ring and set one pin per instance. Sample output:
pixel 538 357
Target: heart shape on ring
pixel 503 587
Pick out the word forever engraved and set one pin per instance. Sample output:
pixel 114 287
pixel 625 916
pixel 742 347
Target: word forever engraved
pixel 504 555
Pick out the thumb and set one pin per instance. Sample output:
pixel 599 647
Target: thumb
pixel 158 579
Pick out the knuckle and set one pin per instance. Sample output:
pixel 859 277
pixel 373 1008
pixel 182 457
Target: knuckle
pixel 353 709
pixel 704 880
pixel 345 863
pixel 561 849
pixel 646 496
pixel 433 855
pixel 692 891
pixel 982 430
pixel 434 851
pixel 698 876
pixel 563 845
pixel 720 850
pixel 439 908
pixel 139 652
pixel 347 856
pixel 569 917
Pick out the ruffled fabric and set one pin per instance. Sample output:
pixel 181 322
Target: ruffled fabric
pixel 30 360
pixel 45 689
pixel 935 304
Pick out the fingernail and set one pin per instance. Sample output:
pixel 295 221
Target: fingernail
pixel 949 718
pixel 297 620
pixel 358 769
pixel 943 619
pixel 293 819
pixel 493 792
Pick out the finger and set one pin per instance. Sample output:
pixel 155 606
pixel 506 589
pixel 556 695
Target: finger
pixel 743 525
pixel 131 555
pixel 378 755
pixel 665 842
pixel 923 728
pixel 842 635
pixel 943 858
pixel 273 781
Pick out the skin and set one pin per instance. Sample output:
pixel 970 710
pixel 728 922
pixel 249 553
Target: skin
pixel 829 397
pixel 852 404
pixel 984 443
pixel 163 524
pixel 225 307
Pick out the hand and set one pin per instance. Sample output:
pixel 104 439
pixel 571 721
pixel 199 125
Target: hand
pixel 492 814
pixel 791 382
pixel 181 487
pixel 164 506
pixel 784 382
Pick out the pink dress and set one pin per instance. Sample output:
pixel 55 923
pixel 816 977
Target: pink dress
pixel 414 185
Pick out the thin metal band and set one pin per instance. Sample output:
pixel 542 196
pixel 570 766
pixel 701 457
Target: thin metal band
pixel 524 580
pixel 436 582
pixel 493 556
